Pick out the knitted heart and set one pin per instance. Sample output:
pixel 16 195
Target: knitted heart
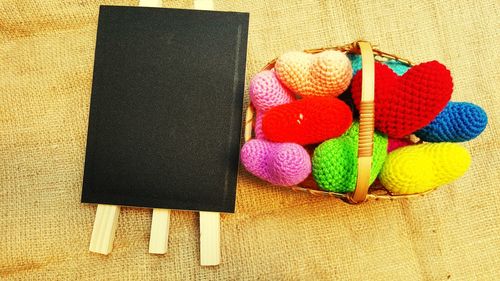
pixel 394 144
pixel 407 103
pixel 307 121
pixel 398 67
pixel 322 74
pixel 258 125
pixel 422 167
pixel 265 92
pixel 278 163
pixel 335 162
pixel 458 122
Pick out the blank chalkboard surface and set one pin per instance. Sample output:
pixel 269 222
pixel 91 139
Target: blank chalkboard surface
pixel 166 106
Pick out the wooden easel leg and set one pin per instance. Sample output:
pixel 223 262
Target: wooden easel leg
pixel 160 225
pixel 158 241
pixel 103 233
pixel 150 3
pixel 204 5
pixel 209 238
pixel 209 221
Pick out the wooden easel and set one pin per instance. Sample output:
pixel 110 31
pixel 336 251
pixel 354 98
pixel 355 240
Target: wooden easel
pixel 106 219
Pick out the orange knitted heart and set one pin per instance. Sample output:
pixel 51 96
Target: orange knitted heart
pixel 407 103
pixel 324 74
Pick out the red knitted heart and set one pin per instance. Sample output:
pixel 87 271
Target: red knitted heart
pixel 407 103
pixel 307 121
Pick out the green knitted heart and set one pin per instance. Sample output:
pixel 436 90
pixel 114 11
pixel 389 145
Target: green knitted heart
pixel 335 162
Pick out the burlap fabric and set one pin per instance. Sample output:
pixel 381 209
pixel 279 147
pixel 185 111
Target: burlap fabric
pixel 46 54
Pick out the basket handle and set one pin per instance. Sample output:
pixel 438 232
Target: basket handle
pixel 366 123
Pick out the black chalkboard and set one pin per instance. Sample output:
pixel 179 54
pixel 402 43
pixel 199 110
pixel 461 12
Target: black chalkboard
pixel 166 106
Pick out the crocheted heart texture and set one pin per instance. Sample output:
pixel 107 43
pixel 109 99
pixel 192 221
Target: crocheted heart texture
pixel 335 162
pixel 327 73
pixel 300 111
pixel 278 163
pixel 265 92
pixel 407 103
pixel 458 122
pixel 307 121
pixel 398 67
pixel 394 144
pixel 419 168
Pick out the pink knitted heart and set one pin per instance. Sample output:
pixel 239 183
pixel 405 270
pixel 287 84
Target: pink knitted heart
pixel 265 92
pixel 322 74
pixel 278 163
pixel 394 143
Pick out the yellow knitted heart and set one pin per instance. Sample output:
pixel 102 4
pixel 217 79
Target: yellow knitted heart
pixel 322 74
pixel 422 167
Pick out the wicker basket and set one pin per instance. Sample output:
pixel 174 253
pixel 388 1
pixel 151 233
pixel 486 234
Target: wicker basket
pixel 363 190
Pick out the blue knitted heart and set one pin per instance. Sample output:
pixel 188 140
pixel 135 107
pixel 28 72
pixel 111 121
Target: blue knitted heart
pixel 458 122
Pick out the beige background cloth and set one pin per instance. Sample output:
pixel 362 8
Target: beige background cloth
pixel 46 59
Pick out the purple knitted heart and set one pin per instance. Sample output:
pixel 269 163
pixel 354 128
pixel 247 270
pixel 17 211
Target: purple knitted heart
pixel 278 163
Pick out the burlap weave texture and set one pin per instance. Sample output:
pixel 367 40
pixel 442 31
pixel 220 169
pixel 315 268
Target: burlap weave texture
pixel 46 59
